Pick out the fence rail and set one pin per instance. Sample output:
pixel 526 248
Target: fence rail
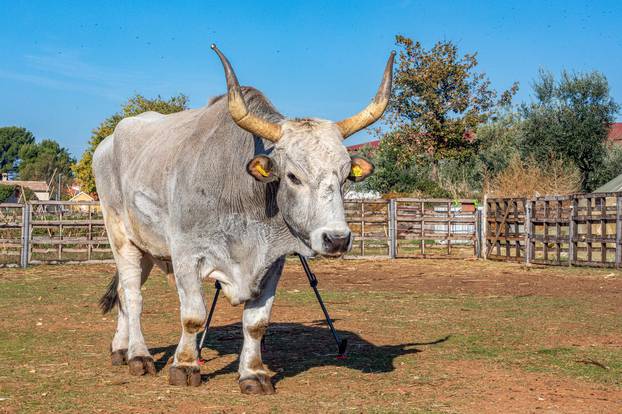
pixel 68 232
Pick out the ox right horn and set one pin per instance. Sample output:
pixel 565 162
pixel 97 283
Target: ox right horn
pixel 239 111
pixel 375 109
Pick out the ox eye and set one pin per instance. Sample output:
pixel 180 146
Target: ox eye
pixel 293 179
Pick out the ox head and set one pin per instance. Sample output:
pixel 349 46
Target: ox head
pixel 310 163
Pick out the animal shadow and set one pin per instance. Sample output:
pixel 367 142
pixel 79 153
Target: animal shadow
pixel 293 348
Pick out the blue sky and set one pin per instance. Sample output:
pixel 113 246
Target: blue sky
pixel 67 65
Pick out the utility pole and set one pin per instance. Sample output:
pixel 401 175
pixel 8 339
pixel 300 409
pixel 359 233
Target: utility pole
pixel 58 188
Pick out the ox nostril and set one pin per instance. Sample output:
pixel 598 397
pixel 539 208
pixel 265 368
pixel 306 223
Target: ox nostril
pixel 336 241
pixel 327 239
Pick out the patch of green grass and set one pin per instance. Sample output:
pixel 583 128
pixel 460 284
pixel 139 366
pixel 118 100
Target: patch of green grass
pixel 593 364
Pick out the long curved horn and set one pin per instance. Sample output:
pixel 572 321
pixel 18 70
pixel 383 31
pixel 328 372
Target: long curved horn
pixel 239 111
pixel 375 109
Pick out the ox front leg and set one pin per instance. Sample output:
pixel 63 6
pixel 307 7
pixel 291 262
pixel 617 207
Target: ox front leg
pixel 185 369
pixel 254 377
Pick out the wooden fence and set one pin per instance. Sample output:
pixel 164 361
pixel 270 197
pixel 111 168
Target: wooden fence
pixel 52 232
pixel 410 227
pixel 578 229
pixel 12 219
pixel 68 232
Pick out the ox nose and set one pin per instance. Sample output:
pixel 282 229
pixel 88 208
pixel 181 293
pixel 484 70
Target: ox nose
pixel 336 242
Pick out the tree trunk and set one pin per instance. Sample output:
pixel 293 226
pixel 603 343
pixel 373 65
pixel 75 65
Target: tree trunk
pixel 434 174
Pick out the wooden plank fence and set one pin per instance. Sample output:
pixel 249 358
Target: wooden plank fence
pixel 74 232
pixel 436 227
pixel 12 219
pixel 53 232
pixel 577 229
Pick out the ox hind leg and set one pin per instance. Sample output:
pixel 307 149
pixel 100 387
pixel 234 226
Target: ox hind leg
pixel 253 376
pixel 133 267
pixel 121 340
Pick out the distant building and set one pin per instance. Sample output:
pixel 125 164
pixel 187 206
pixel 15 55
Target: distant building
pixel 82 196
pixel 39 188
pixel 615 133
pixel 373 144
pixel 612 186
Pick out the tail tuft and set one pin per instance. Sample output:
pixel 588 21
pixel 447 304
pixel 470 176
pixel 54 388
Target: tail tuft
pixel 111 297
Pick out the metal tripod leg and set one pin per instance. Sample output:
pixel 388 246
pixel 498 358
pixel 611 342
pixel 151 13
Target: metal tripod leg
pixel 342 344
pixel 209 318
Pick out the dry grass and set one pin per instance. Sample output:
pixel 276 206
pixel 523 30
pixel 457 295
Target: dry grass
pixel 425 336
pixel 527 179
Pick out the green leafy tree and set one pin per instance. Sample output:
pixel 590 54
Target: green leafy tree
pixel 411 176
pixel 11 140
pixel 611 167
pixel 134 106
pixel 499 142
pixel 6 191
pixel 44 161
pixel 570 118
pixel 438 102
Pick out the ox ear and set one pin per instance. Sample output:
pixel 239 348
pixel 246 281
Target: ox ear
pixel 360 169
pixel 262 168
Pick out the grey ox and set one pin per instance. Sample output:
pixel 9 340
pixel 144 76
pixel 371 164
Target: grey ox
pixel 223 192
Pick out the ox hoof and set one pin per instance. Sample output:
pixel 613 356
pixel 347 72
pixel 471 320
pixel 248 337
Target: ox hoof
pixel 119 357
pixel 259 385
pixel 184 376
pixel 141 365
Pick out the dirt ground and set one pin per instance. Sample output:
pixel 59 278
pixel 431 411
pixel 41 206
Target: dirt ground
pixel 425 336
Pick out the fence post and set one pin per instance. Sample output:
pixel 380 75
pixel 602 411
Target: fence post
pixel 528 245
pixel 25 235
pixel 484 228
pixel 478 232
pixel 392 210
pixel 572 233
pixel 618 231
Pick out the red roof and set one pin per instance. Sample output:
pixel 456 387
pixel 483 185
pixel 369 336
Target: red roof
pixel 615 133
pixel 373 144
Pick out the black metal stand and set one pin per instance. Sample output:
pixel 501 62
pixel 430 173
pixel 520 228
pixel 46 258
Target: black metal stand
pixel 342 343
pixel 209 317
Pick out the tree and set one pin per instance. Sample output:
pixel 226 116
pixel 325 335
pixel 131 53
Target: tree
pixel 134 106
pixel 11 140
pixel 611 167
pixel 499 142
pixel 6 191
pixel 571 119
pixel 408 176
pixel 44 161
pixel 438 102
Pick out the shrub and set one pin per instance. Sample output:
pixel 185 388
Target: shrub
pixel 528 178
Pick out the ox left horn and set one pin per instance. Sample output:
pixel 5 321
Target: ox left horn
pixel 375 109
pixel 239 111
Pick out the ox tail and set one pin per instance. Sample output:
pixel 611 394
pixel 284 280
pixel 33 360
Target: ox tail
pixel 111 297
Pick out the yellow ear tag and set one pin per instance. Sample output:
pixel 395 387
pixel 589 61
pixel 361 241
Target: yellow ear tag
pixel 261 171
pixel 357 171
